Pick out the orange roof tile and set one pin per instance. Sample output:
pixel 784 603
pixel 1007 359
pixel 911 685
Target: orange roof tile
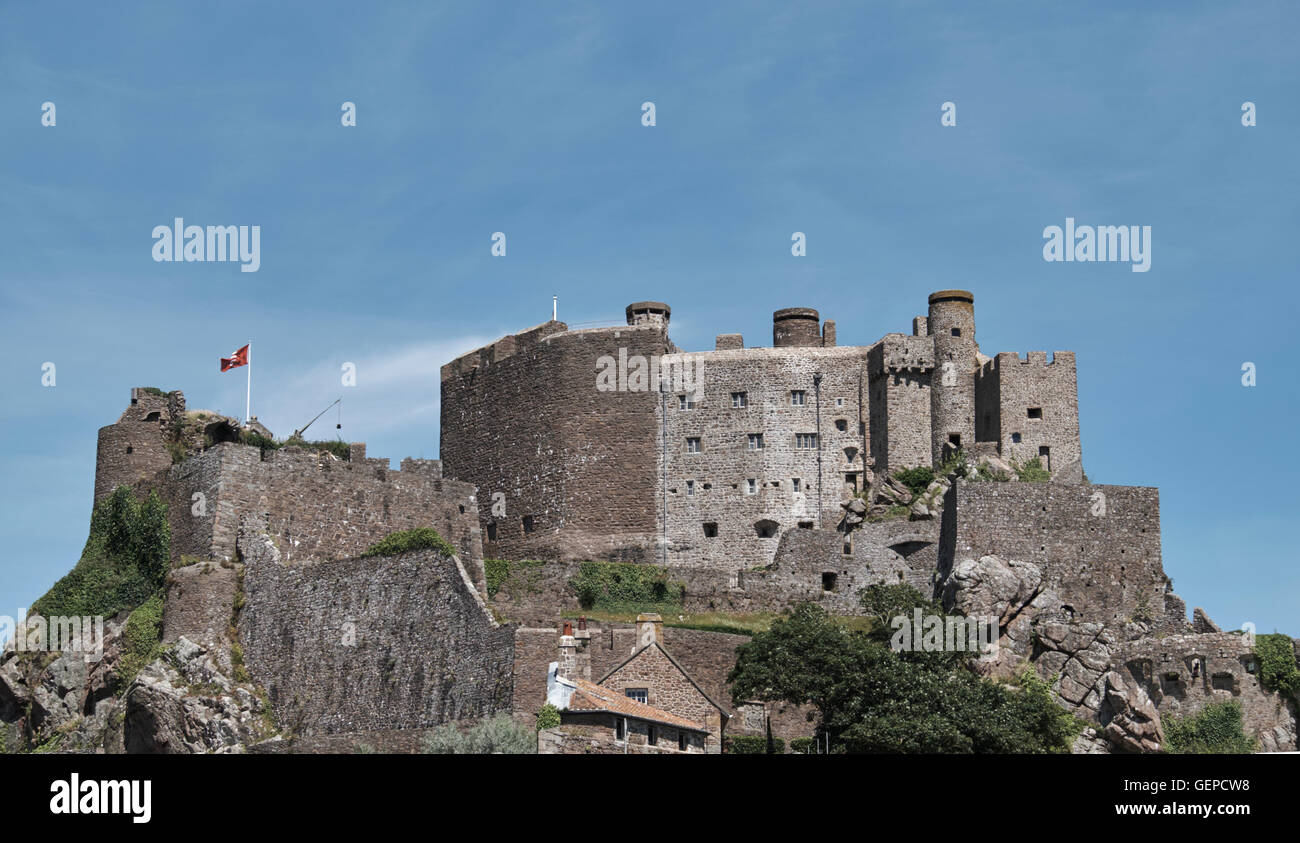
pixel 591 697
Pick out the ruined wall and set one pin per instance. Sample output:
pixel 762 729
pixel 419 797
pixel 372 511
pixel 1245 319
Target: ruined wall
pixel 523 418
pixel 1098 546
pixel 1184 673
pixel 134 448
pixel 379 643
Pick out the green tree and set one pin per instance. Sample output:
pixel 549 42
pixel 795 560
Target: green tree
pixel 872 699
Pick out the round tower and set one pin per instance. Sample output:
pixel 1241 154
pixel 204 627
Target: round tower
pixel 649 313
pixel 796 326
pixel 951 323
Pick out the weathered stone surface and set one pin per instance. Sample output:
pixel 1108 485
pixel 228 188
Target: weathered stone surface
pixel 1134 723
pixel 183 703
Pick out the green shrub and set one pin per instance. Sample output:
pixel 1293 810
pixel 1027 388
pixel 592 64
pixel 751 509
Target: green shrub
pixel 548 717
pixel 125 560
pixel 499 735
pixel 626 586
pixel 956 464
pixel 1032 471
pixel 1277 663
pixel 516 577
pixel 141 640
pixel 1214 730
pixel 338 448
pixel 917 480
pixel 404 541
pixel 753 745
pixel 804 746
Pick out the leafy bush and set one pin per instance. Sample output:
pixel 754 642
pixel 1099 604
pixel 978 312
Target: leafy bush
pixel 141 640
pixel 1032 471
pixel 1214 730
pixel 548 717
pixel 956 464
pixel 753 745
pixel 499 735
pixel 125 559
pixel 804 746
pixel 917 480
pixel 626 585
pixel 404 541
pixel 1277 663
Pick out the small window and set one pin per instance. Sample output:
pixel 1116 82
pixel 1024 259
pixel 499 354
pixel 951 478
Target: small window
pixel 681 741
pixel 528 524
pixel 954 439
pixel 805 525
pixel 956 332
pixel 797 398
pixel 839 402
pixel 841 425
pixel 751 486
pixel 693 445
pixel 685 402
pixel 1015 437
pixel 1035 412
pixel 755 441
pixel 851 481
pixel 739 399
pixel 690 488
pixel 766 529
pixel 829 580
pixel 848 544
pixel 492 531
pixel 620 729
pixel 710 529
pixel 639 694
pixel 154 416
pixel 805 440
pixel 797 484
pixel 130 450
pixel 652 736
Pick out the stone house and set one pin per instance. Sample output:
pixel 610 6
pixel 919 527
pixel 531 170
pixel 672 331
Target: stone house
pixel 647 691
pixel 597 720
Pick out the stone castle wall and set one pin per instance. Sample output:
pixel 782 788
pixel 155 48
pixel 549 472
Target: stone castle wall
pixel 317 507
pixel 134 448
pixel 1105 563
pixel 523 419
pixel 372 644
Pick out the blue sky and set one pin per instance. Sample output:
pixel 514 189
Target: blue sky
pixel 771 118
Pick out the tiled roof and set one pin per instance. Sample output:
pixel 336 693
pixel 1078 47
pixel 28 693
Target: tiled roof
pixel 591 697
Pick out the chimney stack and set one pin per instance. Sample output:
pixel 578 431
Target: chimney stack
pixel 649 630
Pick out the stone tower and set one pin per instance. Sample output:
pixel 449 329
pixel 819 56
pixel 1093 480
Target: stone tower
pixel 951 322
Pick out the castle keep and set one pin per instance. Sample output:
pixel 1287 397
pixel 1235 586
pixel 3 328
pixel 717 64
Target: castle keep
pixel 769 439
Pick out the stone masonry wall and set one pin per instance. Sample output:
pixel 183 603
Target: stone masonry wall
pixel 1098 546
pixel 379 643
pixel 317 507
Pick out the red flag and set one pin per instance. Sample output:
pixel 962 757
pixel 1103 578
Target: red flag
pixel 239 358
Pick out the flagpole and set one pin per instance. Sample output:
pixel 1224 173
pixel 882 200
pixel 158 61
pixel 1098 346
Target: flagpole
pixel 248 403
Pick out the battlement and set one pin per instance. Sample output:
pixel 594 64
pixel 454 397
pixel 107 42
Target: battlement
pixel 502 349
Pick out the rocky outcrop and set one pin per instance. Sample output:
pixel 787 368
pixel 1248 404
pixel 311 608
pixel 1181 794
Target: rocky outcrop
pixel 184 703
pixel 1134 723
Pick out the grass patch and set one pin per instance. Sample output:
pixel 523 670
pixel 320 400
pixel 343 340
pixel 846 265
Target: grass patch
pixel 516 577
pixel 141 640
pixel 404 541
pixel 338 448
pixel 627 587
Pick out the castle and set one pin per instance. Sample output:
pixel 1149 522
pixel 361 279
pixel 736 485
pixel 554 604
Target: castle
pixel 763 480
pixel 771 439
